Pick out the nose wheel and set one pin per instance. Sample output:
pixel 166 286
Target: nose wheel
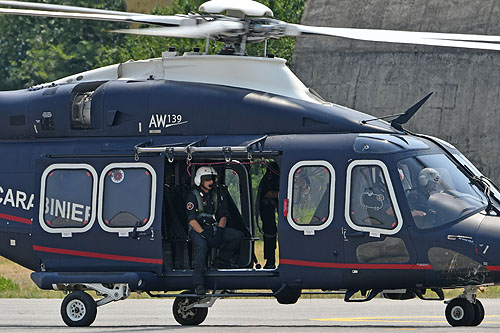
pixel 478 313
pixel 461 312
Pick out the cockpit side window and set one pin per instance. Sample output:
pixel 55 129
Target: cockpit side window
pixel 370 200
pixel 127 195
pixel 438 192
pixel 310 194
pixel 62 208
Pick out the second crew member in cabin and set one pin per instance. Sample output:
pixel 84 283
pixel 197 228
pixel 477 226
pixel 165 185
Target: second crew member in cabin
pixel 268 209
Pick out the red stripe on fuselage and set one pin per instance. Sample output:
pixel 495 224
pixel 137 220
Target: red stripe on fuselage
pixel 97 255
pixel 493 268
pixel 15 218
pixel 352 266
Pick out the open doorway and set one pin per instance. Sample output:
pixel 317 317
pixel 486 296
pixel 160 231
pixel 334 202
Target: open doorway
pixel 231 190
pixel 250 191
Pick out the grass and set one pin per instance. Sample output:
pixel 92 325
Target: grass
pixel 15 282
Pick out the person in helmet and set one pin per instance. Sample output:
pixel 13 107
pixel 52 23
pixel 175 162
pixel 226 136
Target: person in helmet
pixel 429 180
pixel 207 216
pixel 268 208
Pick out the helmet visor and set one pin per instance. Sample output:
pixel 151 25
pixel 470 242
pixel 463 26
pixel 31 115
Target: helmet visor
pixel 206 178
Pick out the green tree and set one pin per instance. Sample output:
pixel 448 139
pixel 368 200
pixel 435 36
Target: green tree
pixel 38 49
pixel 34 50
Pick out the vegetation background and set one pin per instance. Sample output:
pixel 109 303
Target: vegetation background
pixel 35 50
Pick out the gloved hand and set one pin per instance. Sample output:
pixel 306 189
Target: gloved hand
pixel 218 237
pixel 208 234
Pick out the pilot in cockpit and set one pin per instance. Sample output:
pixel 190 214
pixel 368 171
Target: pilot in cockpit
pixel 429 180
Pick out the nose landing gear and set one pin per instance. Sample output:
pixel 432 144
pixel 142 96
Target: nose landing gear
pixel 465 310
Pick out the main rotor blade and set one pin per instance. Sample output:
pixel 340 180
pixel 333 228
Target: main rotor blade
pixel 197 31
pixel 148 19
pixel 405 37
pixel 64 8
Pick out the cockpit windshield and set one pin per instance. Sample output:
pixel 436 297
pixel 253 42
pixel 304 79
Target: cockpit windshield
pixel 437 191
pixel 462 159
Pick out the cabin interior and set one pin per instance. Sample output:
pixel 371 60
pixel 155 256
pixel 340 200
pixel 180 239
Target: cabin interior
pixel 238 182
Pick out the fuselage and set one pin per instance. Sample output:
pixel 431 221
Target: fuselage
pixel 73 169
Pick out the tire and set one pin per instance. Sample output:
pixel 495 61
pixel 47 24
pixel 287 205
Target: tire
pixel 478 313
pixel 191 317
pixel 78 309
pixel 459 312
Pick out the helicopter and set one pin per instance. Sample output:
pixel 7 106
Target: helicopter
pixel 99 163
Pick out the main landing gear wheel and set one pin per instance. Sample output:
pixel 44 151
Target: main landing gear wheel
pixel 478 313
pixel 460 312
pixel 78 309
pixel 188 316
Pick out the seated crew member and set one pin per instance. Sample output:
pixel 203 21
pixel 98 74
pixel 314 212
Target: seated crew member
pixel 429 179
pixel 268 208
pixel 207 216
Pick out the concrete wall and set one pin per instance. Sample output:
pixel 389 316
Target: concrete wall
pixel 383 79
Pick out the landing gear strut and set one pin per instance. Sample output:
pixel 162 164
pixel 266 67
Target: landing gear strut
pixel 465 310
pixel 79 309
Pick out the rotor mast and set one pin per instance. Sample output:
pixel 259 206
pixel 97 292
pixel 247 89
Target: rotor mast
pixel 240 10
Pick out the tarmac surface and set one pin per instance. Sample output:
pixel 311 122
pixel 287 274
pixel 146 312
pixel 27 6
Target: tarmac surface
pixel 244 315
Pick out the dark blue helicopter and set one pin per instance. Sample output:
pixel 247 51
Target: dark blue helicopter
pixel 97 167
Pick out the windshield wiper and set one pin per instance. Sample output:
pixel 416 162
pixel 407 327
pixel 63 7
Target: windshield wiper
pixel 485 183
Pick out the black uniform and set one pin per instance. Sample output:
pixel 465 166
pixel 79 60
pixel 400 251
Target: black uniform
pixel 418 200
pixel 268 208
pixel 208 209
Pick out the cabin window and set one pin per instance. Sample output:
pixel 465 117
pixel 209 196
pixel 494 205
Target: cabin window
pixel 127 197
pixel 391 250
pixel 370 200
pixel 310 195
pixel 68 198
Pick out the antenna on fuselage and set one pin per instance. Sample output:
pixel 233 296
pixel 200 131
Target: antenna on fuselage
pixel 403 118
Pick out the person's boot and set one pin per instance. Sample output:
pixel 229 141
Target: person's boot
pixel 269 252
pixel 200 290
